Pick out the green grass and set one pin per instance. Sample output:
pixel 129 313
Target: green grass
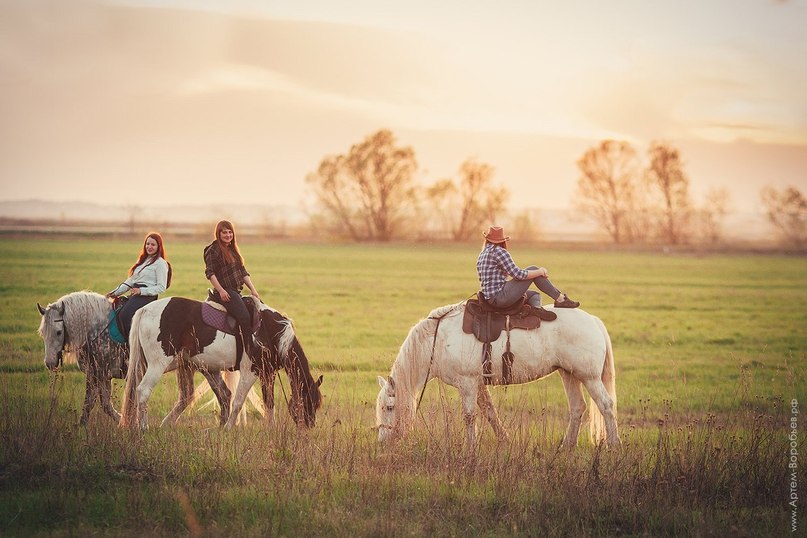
pixel 710 351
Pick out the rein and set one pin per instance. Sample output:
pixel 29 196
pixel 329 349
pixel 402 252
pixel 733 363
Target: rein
pixel 431 359
pixel 106 327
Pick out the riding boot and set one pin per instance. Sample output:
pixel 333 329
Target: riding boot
pixel 251 346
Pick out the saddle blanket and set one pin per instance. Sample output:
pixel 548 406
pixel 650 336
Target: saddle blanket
pixel 217 317
pixel 115 330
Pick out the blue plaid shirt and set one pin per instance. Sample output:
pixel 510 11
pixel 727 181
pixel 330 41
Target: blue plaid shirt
pixel 493 267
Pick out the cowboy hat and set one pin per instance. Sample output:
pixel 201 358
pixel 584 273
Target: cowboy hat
pixel 495 234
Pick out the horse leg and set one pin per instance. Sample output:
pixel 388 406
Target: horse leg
pixel 230 380
pixel 485 403
pixel 268 392
pixel 468 395
pixel 605 404
pixel 248 379
pixel 222 392
pixel 577 406
pixel 90 394
pixel 105 388
pixel 185 386
pixel 150 379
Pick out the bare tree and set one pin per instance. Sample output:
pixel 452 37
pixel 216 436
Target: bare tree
pixel 666 174
pixel 710 217
pixel 468 205
pixel 787 211
pixel 607 188
pixel 366 192
pixel 524 227
pixel 132 212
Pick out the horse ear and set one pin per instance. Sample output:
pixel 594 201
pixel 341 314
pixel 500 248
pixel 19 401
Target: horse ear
pixel 391 383
pixel 60 308
pixel 41 310
pixel 319 381
pixel 382 382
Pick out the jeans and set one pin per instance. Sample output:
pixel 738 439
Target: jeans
pixel 237 309
pixel 513 289
pixel 133 304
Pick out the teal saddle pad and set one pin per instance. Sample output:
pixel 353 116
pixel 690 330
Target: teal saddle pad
pixel 114 329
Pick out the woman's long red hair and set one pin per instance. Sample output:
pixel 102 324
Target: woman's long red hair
pixel 226 252
pixel 160 254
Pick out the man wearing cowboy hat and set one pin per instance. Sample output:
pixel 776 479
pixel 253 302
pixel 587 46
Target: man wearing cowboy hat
pixel 495 264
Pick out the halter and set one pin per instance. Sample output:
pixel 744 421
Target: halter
pixel 60 354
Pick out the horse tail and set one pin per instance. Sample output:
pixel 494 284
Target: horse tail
pixel 597 424
pixel 134 375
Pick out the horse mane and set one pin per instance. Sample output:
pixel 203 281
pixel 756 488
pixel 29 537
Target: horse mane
pixel 294 360
pixel 85 312
pixel 413 357
pixel 286 337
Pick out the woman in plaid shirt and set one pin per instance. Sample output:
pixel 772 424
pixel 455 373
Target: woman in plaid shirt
pixel 224 267
pixel 495 264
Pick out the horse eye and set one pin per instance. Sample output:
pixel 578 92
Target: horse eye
pixel 58 333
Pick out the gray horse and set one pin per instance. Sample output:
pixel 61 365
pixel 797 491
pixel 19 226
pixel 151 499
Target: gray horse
pixel 77 325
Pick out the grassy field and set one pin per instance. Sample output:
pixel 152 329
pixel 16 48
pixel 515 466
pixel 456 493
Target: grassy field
pixel 710 354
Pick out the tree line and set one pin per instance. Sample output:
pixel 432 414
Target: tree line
pixel 370 193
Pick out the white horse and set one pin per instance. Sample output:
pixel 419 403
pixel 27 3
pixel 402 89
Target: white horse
pixel 76 325
pixel 169 333
pixel 576 344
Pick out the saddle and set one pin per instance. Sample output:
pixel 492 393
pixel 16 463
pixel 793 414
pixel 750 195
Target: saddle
pixel 215 315
pixel 486 323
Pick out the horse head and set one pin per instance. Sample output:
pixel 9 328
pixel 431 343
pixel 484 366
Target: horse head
pixel 385 409
pixel 305 401
pixel 53 333
pixel 276 336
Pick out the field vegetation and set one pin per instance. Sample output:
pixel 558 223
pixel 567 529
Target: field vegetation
pixel 710 358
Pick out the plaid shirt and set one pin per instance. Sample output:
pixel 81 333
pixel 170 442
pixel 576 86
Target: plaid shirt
pixel 493 266
pixel 230 275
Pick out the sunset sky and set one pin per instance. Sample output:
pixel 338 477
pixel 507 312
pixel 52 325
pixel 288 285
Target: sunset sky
pixel 206 101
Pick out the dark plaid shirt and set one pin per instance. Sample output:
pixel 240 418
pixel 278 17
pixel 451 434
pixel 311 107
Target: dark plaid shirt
pixel 493 266
pixel 230 275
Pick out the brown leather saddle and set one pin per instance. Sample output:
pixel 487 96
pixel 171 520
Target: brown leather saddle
pixel 487 322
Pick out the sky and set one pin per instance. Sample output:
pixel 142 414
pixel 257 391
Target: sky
pixel 151 102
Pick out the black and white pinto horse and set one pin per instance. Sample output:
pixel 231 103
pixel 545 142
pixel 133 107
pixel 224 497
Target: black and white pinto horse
pixel 76 325
pixel 168 333
pixel 576 345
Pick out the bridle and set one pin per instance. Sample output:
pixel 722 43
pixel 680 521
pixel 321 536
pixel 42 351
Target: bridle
pixel 391 408
pixel 60 353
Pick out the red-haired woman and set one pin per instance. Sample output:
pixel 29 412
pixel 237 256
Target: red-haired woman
pixel 148 277
pixel 224 267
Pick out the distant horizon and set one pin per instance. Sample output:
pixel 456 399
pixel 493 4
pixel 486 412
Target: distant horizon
pixel 758 209
pixel 552 223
